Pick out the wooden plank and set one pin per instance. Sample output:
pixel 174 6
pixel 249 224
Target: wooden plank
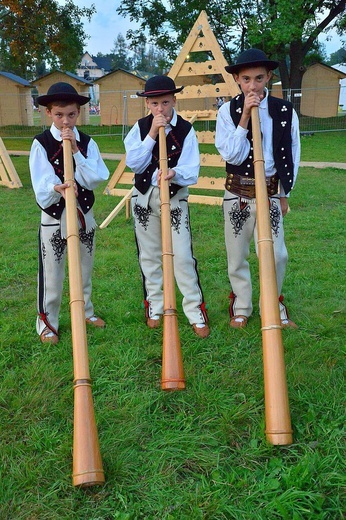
pixel 205 199
pixel 207 137
pixel 213 45
pixel 202 115
pixel 204 183
pixel 211 160
pixel 210 183
pixel 8 173
pixel 200 45
pixel 205 91
pixel 4 179
pixel 199 69
pixel 118 192
pixel 119 171
pixel 124 202
pixel 188 45
pixel 193 118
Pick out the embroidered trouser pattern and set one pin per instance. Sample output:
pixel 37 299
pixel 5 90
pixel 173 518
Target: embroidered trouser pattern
pixel 147 223
pixel 240 228
pixel 51 273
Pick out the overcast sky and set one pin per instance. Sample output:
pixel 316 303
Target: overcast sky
pixel 106 24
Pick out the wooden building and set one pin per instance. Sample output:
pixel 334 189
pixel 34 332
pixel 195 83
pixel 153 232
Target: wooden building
pixel 81 85
pixel 16 105
pixel 119 104
pixel 321 91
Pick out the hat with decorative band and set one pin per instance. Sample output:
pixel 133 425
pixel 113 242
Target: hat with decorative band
pixel 159 86
pixel 62 92
pixel 252 58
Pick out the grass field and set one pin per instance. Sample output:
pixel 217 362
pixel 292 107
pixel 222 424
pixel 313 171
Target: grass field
pixel 200 453
pixel 323 147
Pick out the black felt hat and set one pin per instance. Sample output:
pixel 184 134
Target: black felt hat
pixel 252 58
pixel 62 92
pixel 159 86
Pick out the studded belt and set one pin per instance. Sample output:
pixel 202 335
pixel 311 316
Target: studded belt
pixel 245 186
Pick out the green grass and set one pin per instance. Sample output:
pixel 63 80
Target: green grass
pixel 196 454
pixel 323 147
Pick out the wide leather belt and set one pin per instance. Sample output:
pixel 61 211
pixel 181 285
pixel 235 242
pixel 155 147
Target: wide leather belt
pixel 245 186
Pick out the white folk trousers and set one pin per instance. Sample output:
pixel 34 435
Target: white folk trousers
pixel 51 274
pixel 240 228
pixel 147 222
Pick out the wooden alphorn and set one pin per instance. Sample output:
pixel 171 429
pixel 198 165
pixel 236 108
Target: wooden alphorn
pixel 277 413
pixel 172 362
pixel 87 463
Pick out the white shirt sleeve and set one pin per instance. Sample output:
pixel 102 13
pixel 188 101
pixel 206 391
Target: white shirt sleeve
pixel 187 168
pixel 138 152
pixel 91 170
pixel 43 176
pixel 230 141
pixel 295 145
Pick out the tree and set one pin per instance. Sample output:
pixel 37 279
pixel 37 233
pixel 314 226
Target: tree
pixel 120 54
pixel 33 31
pixel 287 30
pixel 338 57
pixel 148 58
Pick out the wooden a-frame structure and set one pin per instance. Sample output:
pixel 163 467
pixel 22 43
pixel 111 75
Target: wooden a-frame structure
pixel 186 72
pixel 8 174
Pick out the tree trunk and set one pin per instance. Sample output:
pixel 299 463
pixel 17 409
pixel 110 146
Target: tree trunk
pixel 284 76
pixel 297 70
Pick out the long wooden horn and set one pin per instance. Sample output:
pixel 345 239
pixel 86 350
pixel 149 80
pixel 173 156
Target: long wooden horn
pixel 277 413
pixel 87 463
pixel 172 362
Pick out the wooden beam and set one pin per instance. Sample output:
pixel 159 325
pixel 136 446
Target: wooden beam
pixel 119 172
pixel 205 199
pixel 8 174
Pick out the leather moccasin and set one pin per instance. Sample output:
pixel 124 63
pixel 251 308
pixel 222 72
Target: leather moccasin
pixel 238 322
pixel 96 321
pixel 153 324
pixel 48 336
pixel 202 332
pixel 288 324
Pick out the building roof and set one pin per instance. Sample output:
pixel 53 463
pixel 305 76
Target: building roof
pixel 15 78
pixel 333 69
pixel 142 74
pixel 70 74
pixel 341 67
pixel 106 76
pixel 103 62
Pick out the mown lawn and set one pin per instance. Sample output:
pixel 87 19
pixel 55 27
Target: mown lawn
pixel 196 454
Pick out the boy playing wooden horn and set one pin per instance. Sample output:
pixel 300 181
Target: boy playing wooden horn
pixel 142 157
pixel 62 104
pixel 281 150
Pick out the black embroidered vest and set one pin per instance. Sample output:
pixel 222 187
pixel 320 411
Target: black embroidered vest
pixel 54 151
pixel 175 141
pixel 281 113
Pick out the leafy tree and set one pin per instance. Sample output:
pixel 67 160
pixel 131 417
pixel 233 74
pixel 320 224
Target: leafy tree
pixel 287 30
pixel 148 58
pixel 33 31
pixel 338 57
pixel 120 54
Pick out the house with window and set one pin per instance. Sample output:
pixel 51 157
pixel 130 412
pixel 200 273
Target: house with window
pixel 93 67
